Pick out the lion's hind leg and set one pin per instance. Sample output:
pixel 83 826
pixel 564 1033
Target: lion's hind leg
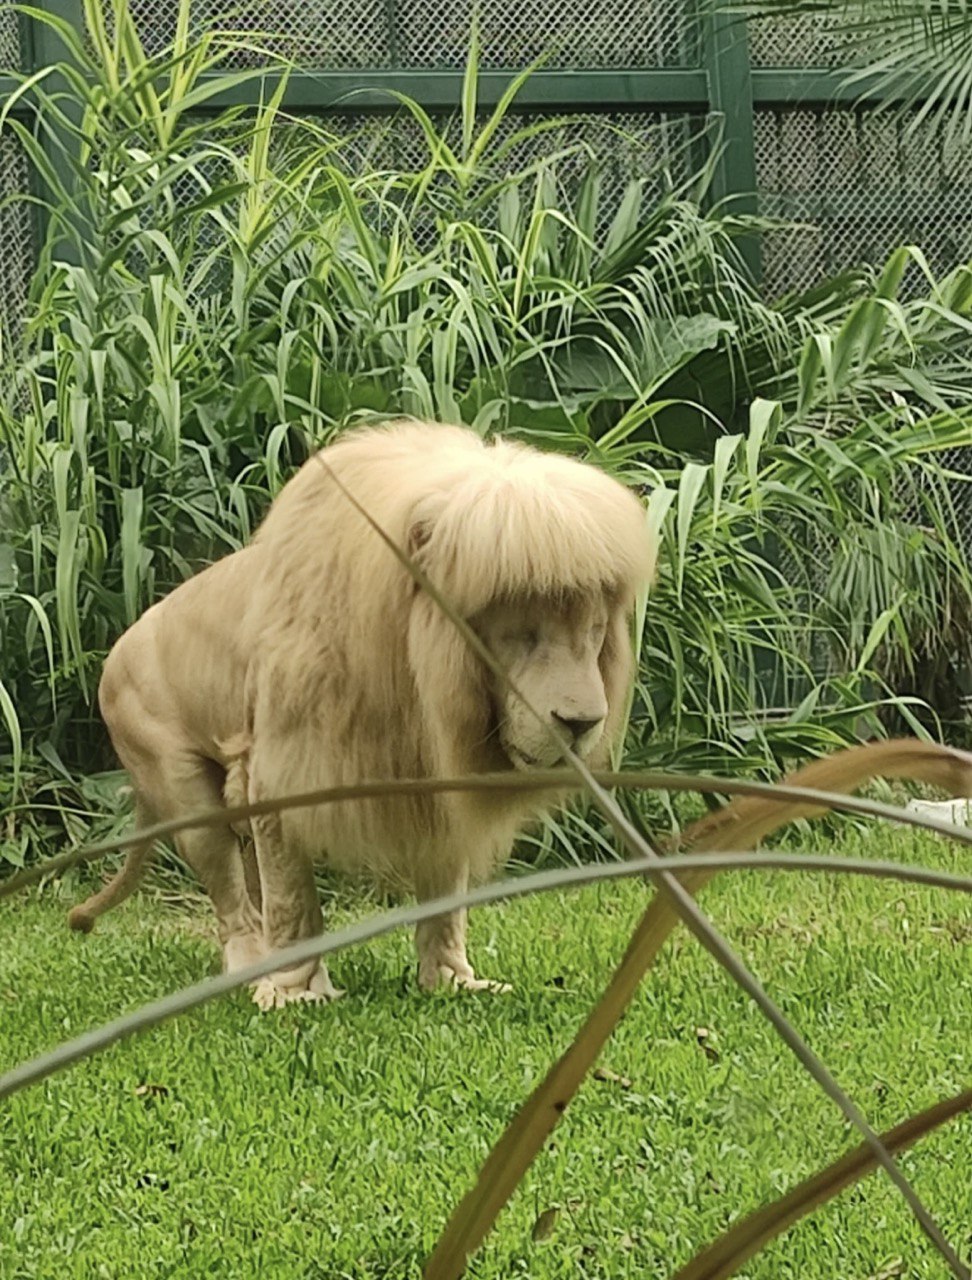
pixel 171 783
pixel 218 858
pixel 181 782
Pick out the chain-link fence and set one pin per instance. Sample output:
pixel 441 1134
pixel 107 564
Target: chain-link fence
pixel 10 55
pixel 385 33
pixel 853 181
pixel 857 183
pixel 16 236
pixel 801 40
pixel 642 83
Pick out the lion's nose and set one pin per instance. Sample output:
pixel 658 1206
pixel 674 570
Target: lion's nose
pixel 575 728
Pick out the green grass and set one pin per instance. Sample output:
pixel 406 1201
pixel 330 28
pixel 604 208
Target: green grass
pixel 327 1143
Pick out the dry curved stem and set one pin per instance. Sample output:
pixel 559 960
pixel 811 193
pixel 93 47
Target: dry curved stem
pixel 743 822
pixel 539 780
pixel 725 1256
pixel 158 1011
pixel 449 1259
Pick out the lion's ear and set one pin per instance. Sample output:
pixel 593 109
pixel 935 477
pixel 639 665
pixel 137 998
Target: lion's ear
pixel 418 535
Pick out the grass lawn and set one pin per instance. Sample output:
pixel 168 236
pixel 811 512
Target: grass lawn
pixel 332 1142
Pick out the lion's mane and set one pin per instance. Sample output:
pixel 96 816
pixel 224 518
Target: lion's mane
pixel 358 674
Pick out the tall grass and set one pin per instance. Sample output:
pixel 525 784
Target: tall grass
pixel 237 290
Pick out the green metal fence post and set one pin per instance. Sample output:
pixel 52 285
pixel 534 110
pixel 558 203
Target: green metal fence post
pixel 43 47
pixel 727 66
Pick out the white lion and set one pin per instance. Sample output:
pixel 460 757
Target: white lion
pixel 311 659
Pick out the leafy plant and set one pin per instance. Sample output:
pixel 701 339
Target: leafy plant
pixel 914 54
pixel 216 298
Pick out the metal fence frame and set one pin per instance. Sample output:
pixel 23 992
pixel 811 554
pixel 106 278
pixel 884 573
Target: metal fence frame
pixel 723 85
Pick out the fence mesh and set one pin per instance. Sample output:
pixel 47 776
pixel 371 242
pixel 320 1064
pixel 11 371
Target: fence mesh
pixel 797 40
pixel 16 236
pixel 346 36
pixel 9 37
pixel 382 33
pixel 855 182
pixel 859 182
pixel 575 33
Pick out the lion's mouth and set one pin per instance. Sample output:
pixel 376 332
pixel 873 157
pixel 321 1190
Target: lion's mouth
pixel 520 758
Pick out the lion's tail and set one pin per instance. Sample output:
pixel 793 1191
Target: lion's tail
pixel 234 754
pixel 119 887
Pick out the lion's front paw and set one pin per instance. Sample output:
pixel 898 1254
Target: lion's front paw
pixel 273 992
pixel 473 983
pixel 456 978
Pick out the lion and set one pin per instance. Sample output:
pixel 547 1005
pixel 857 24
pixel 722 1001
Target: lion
pixel 312 658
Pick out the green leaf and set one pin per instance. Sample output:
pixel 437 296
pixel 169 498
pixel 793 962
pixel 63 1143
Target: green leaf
pixel 876 634
pixel 9 714
pixel 8 568
pixel 690 487
pixel 725 450
pixel 764 420
pixel 132 504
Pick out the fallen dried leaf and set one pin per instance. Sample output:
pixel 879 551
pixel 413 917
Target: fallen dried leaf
pixel 544 1225
pixel 151 1091
pixel 611 1077
pixel 704 1037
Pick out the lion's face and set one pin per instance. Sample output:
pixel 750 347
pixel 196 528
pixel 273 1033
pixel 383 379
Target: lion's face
pixel 550 649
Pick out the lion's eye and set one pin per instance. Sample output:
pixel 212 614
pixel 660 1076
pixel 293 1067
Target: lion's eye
pixel 522 639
